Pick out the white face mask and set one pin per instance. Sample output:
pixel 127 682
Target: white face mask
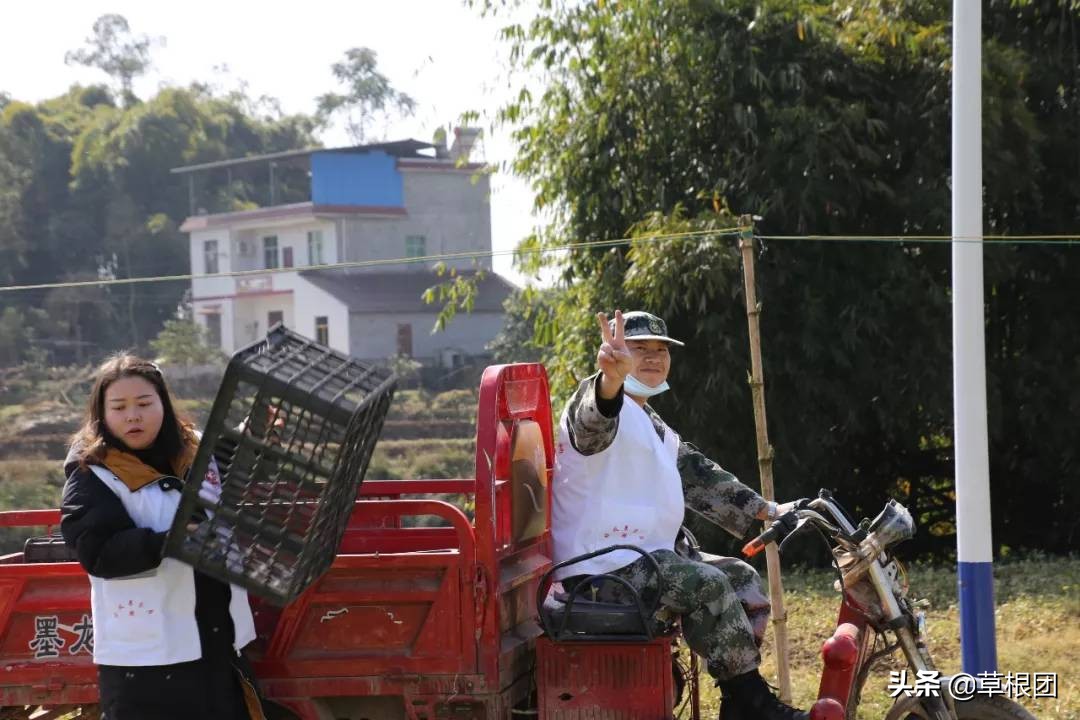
pixel 633 386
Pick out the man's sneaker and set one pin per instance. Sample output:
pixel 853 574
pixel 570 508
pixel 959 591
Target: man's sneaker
pixel 749 697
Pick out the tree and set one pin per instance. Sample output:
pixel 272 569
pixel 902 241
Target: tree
pixel 525 334
pixel 406 369
pixel 86 193
pixel 665 120
pixel 116 51
pixel 13 336
pixel 184 342
pixel 77 312
pixel 368 94
pixel 34 157
pixel 20 330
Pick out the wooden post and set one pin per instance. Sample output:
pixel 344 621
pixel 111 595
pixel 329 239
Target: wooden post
pixel 765 454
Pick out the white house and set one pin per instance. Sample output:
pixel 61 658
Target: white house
pixel 368 203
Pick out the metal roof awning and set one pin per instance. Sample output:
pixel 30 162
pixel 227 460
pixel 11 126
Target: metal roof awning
pixel 396 148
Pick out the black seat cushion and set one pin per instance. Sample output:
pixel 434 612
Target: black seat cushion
pixel 589 620
pixel 47 549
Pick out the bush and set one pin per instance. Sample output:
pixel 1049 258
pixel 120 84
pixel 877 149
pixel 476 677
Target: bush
pixel 35 381
pixel 410 405
pixel 32 483
pixel 382 468
pixel 184 342
pixel 27 485
pixel 13 338
pixel 423 405
pixel 406 369
pixel 459 400
pixel 441 464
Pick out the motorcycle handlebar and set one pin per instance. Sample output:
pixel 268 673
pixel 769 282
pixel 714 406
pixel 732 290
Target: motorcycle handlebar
pixel 776 532
pixel 803 512
pixel 892 525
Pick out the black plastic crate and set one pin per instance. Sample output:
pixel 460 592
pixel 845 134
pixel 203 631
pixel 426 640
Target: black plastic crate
pixel 291 431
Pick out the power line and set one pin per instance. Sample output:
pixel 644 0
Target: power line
pixel 1065 240
pixel 1059 240
pixel 478 254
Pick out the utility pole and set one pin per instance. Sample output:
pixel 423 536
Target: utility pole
pixel 974 548
pixel 765 454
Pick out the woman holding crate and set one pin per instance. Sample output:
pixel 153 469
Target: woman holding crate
pixel 167 638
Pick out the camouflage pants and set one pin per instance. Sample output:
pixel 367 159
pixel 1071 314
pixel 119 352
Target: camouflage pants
pixel 719 600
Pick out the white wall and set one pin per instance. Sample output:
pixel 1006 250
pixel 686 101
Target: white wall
pixel 212 286
pixel 224 309
pixel 217 286
pixel 250 316
pixel 244 317
pixel 310 302
pixel 293 236
pixel 374 336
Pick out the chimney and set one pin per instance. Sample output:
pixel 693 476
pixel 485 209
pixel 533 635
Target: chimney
pixel 464 139
pixel 439 141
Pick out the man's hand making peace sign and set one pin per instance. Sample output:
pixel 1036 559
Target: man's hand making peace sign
pixel 613 358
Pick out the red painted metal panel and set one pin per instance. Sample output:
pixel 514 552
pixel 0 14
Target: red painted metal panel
pixel 368 513
pixel 508 393
pixel 842 654
pixel 28 518
pixel 383 488
pixel 46 643
pixel 376 614
pixel 604 681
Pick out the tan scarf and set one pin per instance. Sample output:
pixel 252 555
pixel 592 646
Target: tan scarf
pixel 136 474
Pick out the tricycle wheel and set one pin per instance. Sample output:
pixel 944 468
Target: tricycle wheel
pixel 977 708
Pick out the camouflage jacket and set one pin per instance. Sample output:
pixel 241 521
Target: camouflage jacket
pixel 592 423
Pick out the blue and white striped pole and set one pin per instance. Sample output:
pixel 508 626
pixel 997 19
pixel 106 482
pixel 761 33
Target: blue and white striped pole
pixel 974 549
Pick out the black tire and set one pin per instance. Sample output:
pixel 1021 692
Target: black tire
pixel 991 708
pixel 978 708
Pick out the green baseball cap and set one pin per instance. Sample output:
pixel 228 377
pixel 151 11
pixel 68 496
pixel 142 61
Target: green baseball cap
pixel 640 325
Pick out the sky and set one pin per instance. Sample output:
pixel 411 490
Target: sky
pixel 443 54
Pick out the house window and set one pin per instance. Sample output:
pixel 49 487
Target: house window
pixel 286 257
pixel 210 257
pixel 314 247
pixel 415 246
pixel 274 317
pixel 322 330
pixel 270 252
pixel 213 330
pixel 404 340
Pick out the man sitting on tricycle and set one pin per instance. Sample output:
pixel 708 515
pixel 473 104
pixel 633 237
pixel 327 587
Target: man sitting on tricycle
pixel 622 476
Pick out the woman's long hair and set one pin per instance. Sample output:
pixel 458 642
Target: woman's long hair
pixel 93 438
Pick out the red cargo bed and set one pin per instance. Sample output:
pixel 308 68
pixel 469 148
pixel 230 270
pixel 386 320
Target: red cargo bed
pixel 425 620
